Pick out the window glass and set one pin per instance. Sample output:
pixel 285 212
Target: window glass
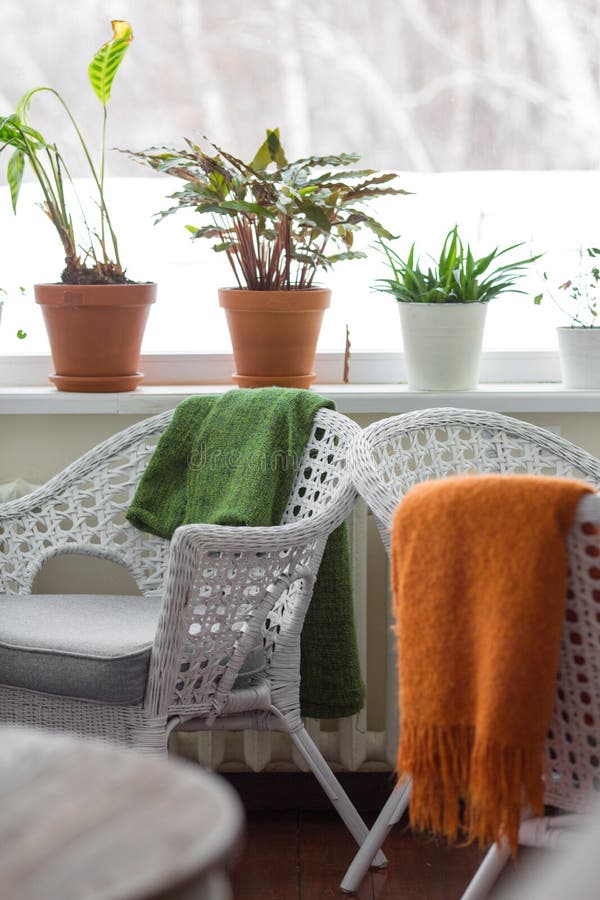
pixel 489 108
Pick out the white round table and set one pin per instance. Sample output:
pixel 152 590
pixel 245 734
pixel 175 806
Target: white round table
pixel 88 821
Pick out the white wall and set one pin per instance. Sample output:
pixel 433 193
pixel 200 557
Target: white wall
pixel 37 447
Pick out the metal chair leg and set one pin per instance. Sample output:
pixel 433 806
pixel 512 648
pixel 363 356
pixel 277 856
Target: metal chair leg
pixel 391 813
pixel 487 874
pixel 341 802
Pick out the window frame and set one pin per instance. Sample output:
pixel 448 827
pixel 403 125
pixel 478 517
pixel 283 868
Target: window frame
pixel 497 367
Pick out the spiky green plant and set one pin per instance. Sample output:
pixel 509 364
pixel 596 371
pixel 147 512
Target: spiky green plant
pixel 272 218
pixel 456 277
pixel 98 262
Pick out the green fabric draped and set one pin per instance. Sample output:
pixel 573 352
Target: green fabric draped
pixel 231 460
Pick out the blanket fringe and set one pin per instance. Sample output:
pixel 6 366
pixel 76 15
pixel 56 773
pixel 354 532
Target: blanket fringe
pixel 467 790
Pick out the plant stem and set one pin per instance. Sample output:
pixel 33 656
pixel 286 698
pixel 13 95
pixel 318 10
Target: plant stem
pixel 287 250
pixel 102 168
pixel 104 216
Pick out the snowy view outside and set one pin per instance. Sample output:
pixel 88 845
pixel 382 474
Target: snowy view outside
pixel 425 85
pixel 421 86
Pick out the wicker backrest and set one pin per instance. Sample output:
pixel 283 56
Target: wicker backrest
pixel 573 744
pixel 392 455
pixel 322 467
pixel 82 509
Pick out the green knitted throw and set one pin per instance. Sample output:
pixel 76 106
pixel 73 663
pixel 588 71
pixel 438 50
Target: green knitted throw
pixel 231 460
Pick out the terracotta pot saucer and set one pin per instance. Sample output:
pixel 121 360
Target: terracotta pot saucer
pixel 257 381
pixel 97 384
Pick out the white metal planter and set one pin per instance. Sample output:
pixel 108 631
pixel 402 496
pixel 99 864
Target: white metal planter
pixel 442 344
pixel 580 357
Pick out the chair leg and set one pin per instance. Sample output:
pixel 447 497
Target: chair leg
pixel 391 813
pixel 487 873
pixel 341 802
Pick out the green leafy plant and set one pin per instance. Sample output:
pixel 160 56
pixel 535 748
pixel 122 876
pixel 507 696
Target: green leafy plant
pixel 272 218
pixel 581 293
pixel 456 277
pixel 98 262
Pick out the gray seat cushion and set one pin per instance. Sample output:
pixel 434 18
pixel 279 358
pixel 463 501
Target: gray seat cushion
pixel 91 646
pixel 78 645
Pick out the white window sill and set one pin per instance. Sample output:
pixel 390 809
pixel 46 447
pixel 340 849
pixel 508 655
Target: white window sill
pixel 349 398
pixel 366 368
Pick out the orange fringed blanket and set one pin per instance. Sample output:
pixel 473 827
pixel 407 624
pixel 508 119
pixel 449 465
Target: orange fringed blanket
pixel 479 569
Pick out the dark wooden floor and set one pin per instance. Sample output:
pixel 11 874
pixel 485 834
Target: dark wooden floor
pixel 302 854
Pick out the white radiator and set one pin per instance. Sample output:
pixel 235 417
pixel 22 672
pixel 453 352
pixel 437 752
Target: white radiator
pixel 366 742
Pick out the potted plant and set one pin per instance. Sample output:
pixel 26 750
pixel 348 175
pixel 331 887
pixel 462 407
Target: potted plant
pixel 443 308
pixel 95 316
pixel 579 342
pixel 274 220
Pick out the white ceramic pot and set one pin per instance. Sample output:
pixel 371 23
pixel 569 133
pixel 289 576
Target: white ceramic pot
pixel 442 344
pixel 580 357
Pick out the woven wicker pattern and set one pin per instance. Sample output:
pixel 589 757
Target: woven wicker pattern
pixel 392 455
pixel 573 746
pixel 231 595
pixel 221 583
pixel 82 510
pixel 226 591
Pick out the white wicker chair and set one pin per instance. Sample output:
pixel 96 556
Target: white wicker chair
pixel 222 593
pixel 391 456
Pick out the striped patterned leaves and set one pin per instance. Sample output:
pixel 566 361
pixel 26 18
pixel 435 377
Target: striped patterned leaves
pixel 23 139
pixel 104 65
pixel 14 176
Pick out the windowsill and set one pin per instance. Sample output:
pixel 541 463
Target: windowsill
pixel 371 368
pixel 349 398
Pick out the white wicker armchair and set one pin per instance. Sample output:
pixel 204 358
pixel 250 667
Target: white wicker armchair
pixel 386 460
pixel 213 597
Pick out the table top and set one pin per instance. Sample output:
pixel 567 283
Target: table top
pixel 86 821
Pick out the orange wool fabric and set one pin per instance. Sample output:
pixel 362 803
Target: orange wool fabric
pixel 479 571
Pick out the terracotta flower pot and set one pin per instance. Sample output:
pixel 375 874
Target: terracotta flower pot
pixel 95 333
pixel 274 334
